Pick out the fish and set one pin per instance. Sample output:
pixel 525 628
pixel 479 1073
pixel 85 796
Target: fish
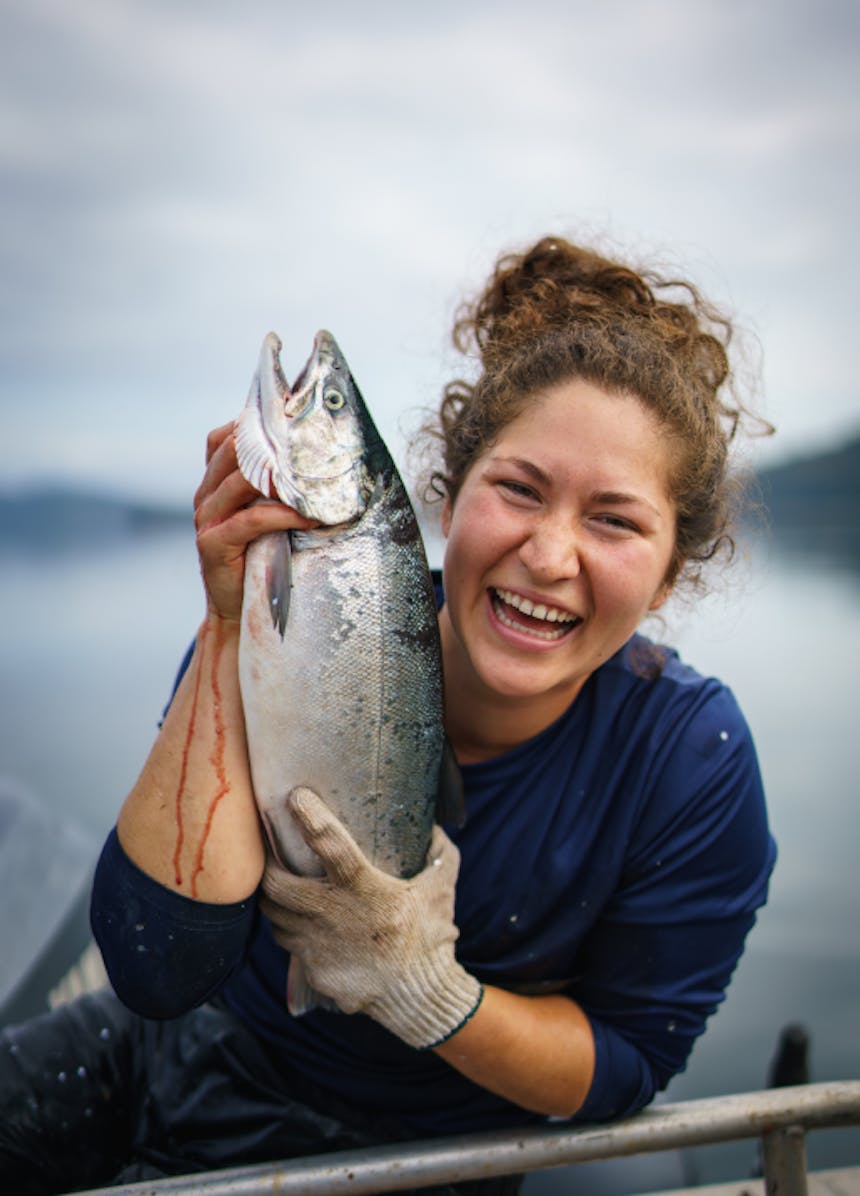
pixel 340 666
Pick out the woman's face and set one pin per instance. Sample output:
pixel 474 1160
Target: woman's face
pixel 558 544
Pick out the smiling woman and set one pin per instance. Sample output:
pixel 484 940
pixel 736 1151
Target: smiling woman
pixel 560 952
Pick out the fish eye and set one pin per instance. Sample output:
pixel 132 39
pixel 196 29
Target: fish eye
pixel 334 400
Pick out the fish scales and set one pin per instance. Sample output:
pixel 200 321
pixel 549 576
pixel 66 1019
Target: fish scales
pixel 349 702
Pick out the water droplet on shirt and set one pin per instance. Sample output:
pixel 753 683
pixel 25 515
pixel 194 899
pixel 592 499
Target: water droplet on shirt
pixel 61 1077
pixel 724 735
pixel 81 1072
pixel 672 1027
pixel 140 926
pixel 513 918
pixel 104 1034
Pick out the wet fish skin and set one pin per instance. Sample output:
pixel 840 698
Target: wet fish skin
pixel 342 691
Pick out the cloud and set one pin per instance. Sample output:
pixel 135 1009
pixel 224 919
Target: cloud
pixel 178 178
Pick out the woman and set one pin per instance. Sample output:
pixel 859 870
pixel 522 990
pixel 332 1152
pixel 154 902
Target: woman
pixel 616 845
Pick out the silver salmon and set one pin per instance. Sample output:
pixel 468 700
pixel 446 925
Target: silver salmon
pixel 339 659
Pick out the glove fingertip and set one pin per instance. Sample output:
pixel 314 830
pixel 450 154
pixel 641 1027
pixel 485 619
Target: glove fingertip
pixel 306 805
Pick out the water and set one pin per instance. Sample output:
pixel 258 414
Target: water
pixel 89 647
pixel 91 639
pixel 789 646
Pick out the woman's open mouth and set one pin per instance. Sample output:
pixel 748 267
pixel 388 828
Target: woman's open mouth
pixel 536 619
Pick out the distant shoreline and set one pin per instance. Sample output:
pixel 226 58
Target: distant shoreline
pixel 818 491
pixel 50 518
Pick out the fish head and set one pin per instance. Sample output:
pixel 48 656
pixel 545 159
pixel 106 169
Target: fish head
pixel 315 444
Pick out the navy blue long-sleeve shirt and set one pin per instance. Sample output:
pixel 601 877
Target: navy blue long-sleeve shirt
pixel 618 857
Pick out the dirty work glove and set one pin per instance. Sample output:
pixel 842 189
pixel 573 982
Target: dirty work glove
pixel 371 942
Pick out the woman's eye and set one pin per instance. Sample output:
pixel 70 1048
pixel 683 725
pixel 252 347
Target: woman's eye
pixel 617 523
pixel 519 489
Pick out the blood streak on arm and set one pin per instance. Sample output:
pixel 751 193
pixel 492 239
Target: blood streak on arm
pixel 180 826
pixel 216 758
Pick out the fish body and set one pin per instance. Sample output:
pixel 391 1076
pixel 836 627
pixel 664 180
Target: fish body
pixel 339 659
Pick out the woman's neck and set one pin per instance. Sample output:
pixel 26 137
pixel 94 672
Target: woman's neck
pixel 482 723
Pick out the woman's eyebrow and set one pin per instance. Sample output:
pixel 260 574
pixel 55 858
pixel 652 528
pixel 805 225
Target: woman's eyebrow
pixel 526 466
pixel 620 498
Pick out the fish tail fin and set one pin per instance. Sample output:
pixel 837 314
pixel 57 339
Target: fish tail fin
pixel 301 996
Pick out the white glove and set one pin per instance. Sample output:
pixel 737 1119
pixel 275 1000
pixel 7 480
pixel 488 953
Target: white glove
pixel 371 942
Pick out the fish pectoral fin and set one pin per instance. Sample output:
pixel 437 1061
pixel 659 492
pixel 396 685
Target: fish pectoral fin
pixel 279 580
pixel 450 796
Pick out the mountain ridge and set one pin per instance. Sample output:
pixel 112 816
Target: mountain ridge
pixel 816 488
pixel 58 515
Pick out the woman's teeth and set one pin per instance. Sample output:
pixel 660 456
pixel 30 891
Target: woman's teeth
pixel 545 614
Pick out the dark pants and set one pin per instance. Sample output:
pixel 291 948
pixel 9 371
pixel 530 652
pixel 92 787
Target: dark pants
pixel 92 1094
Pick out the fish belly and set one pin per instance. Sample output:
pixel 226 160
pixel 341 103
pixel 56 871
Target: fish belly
pixel 349 702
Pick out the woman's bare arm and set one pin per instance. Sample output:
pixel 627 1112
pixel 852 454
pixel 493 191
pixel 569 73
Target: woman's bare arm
pixel 537 1052
pixel 190 820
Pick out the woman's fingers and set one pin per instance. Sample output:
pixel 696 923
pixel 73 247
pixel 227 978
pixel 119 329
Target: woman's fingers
pixel 216 438
pixel 222 543
pixel 228 514
pixel 326 835
pixel 221 497
pixel 220 464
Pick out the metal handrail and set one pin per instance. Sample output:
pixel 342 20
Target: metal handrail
pixel 780 1117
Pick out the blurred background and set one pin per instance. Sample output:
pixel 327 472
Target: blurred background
pixel 177 178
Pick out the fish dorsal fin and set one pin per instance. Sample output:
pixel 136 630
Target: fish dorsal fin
pixel 450 797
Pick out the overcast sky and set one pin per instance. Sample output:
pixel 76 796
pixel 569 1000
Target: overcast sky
pixel 177 178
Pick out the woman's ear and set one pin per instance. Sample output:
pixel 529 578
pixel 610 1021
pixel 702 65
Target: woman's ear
pixel 667 586
pixel 445 519
pixel 660 597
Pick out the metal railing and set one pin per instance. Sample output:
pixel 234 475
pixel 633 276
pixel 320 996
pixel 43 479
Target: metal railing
pixel 779 1117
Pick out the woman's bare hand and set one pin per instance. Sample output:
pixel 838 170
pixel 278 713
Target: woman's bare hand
pixel 228 514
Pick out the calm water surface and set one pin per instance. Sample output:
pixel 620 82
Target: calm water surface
pixel 89 646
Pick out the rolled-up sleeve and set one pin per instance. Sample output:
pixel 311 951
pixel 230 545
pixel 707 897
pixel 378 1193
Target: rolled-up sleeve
pixel 164 953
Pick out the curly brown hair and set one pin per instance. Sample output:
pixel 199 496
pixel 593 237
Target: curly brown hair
pixel 558 312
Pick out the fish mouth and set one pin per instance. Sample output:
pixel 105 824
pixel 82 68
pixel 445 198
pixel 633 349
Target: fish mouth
pixel 328 476
pixel 543 621
pixel 324 355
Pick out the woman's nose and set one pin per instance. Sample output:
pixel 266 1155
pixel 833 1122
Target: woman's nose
pixel 551 551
